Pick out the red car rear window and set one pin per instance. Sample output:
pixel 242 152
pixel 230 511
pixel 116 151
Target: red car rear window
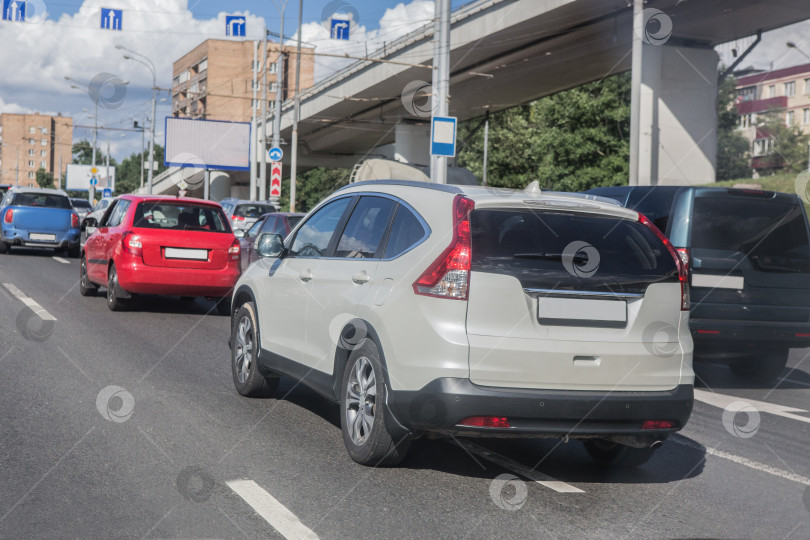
pixel 180 216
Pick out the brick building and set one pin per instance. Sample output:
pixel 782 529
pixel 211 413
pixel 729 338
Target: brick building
pixel 785 92
pixel 214 81
pixel 29 142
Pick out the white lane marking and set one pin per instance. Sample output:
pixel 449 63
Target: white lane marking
pixel 723 401
pixel 30 302
pixel 750 463
pixel 61 260
pixel 275 513
pixel 522 470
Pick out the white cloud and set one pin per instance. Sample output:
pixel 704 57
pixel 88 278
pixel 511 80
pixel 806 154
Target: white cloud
pixel 38 57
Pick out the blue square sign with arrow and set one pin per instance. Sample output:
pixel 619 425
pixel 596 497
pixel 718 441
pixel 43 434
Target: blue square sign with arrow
pixel 234 25
pixel 14 10
pixel 340 29
pixel 111 19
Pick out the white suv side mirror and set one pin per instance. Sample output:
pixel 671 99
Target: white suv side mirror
pixel 269 245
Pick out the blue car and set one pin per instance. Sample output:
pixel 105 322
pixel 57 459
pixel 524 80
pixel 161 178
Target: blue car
pixel 38 218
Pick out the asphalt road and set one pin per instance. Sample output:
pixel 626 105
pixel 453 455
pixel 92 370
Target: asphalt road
pixel 127 425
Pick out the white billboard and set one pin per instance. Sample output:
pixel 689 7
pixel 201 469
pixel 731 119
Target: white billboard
pixel 207 144
pixel 79 177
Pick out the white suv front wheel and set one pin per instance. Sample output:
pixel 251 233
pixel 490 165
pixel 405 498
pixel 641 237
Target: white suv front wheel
pixel 362 418
pixel 247 378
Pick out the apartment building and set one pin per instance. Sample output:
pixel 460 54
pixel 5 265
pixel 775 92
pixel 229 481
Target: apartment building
pixel 29 142
pixel 783 91
pixel 214 81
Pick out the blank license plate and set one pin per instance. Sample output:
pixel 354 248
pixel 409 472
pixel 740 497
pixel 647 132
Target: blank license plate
pixel 42 237
pixel 581 309
pixel 191 254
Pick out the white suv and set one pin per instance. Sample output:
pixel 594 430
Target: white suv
pixel 459 310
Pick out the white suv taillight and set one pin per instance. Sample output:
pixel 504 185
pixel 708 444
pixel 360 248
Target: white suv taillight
pixel 449 275
pixel 681 260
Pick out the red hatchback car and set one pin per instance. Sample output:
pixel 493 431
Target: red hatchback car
pixel 160 245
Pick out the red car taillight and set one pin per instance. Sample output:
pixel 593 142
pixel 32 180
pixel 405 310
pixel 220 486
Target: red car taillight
pixel 9 217
pixel 683 269
pixel 449 275
pixel 234 250
pixel 74 221
pixel 238 218
pixel 131 243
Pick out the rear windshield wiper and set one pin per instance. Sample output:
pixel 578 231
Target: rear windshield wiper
pixel 575 258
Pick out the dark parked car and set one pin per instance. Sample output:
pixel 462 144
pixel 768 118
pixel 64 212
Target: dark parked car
pixel 280 223
pixel 748 253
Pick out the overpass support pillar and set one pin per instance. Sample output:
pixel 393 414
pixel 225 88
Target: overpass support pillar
pixel 678 116
pixel 412 144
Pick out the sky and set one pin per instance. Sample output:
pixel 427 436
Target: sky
pixel 64 40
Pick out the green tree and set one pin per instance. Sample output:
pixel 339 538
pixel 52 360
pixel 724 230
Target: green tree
pixel 790 146
pixel 45 179
pixel 733 151
pixel 571 141
pixel 312 186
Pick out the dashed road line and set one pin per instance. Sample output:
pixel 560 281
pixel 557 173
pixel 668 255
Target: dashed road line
pixel 723 401
pixel 30 302
pixel 522 470
pixel 61 260
pixel 275 513
pixel 750 463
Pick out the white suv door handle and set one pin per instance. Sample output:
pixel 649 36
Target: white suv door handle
pixel 305 276
pixel 361 277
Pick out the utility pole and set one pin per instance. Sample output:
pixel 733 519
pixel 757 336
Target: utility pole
pixel 143 130
pixel 279 81
pixel 635 93
pixel 91 192
pixel 107 161
pixel 263 138
pixel 253 122
pixel 441 80
pixel 296 111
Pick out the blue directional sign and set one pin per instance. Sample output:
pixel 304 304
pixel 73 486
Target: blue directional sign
pixel 13 10
pixel 443 136
pixel 275 153
pixel 339 29
pixel 234 25
pixel 112 19
pixel 93 181
pixel 106 192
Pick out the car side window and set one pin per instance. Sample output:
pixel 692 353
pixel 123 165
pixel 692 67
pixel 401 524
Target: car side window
pixel 312 239
pixel 406 232
pixel 254 229
pixel 269 225
pixel 118 214
pixel 366 228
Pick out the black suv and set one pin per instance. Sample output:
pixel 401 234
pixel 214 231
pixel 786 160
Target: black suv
pixel 748 252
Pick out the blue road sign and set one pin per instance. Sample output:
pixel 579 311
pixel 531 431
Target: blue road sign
pixel 112 19
pixel 339 29
pixel 106 192
pixel 93 181
pixel 443 136
pixel 275 153
pixel 234 25
pixel 14 10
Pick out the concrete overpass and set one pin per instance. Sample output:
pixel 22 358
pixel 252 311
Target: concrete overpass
pixel 508 52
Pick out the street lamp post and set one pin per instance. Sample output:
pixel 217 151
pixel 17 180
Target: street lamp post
pixel 91 191
pixel 148 63
pixel 792 45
